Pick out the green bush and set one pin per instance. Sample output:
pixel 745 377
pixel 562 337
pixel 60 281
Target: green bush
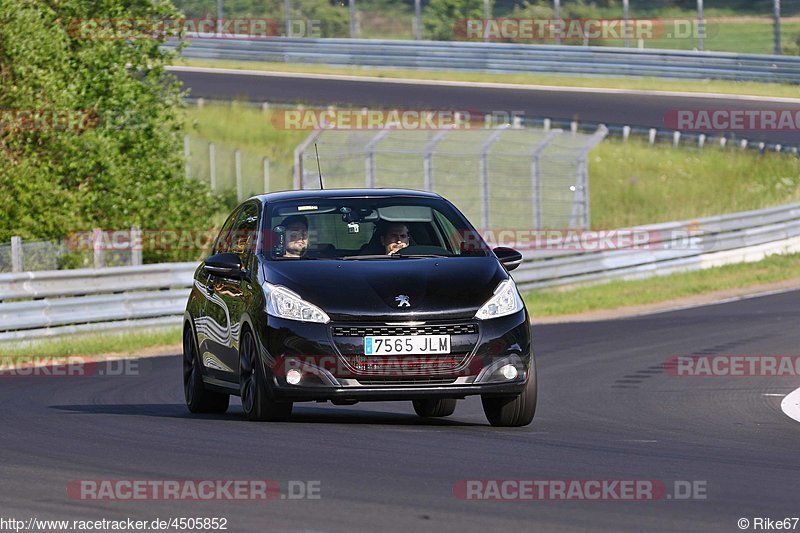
pixel 119 163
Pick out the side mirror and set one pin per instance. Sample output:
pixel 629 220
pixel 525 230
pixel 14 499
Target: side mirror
pixel 225 265
pixel 509 257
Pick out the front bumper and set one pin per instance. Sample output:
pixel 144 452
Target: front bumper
pixel 331 362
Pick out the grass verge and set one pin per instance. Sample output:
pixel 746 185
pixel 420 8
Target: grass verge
pixel 632 183
pixel 620 294
pixel 122 344
pixel 645 84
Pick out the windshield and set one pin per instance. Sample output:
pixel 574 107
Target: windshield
pixel 368 229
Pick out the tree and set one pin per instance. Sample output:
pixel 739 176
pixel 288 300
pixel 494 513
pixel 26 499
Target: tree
pixel 89 129
pixel 442 19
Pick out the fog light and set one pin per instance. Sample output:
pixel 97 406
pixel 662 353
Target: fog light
pixel 509 371
pixel 293 377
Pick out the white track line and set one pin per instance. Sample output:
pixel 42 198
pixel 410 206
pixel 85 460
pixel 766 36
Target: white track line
pixel 487 85
pixel 791 405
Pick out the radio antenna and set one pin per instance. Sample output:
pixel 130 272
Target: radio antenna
pixel 319 168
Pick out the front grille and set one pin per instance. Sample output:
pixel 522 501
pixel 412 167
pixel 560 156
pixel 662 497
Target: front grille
pixel 405 365
pixel 441 329
pixel 389 381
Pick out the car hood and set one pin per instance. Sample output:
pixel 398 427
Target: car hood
pixel 453 287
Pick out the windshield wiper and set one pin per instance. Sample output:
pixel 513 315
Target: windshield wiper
pixel 419 256
pixel 374 256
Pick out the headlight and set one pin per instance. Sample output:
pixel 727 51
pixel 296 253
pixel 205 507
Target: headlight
pixel 505 301
pixel 283 303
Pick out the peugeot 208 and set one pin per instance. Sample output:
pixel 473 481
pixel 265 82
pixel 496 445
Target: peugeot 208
pixel 356 295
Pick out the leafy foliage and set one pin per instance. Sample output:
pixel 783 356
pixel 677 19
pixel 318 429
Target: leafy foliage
pixel 116 161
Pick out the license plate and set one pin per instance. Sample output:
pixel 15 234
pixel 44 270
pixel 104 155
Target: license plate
pixel 407 344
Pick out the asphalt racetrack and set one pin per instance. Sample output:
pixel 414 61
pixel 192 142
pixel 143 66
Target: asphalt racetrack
pixel 644 110
pixel 608 410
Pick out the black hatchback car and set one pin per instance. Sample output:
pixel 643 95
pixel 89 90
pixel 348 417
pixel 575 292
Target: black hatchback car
pixel 356 295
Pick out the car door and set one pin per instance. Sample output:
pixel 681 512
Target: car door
pixel 232 296
pixel 214 336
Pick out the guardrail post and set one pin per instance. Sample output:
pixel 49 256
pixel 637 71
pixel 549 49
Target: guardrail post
pixel 17 259
pixel 212 167
pixel 701 140
pixel 546 125
pixel 676 138
pixel 97 248
pixel 136 246
pixel 237 159
pixel 265 163
pixel 186 155
pixel 722 142
pixel 626 132
pixel 652 135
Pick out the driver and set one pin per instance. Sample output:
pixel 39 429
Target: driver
pixel 394 237
pixel 296 235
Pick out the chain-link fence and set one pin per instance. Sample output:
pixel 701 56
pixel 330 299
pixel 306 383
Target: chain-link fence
pixel 96 249
pixel 502 178
pixel 226 168
pixel 744 26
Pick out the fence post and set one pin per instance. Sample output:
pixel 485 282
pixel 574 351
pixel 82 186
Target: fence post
pixel 136 246
pixel 417 20
pixel 776 14
pixel 353 21
pixel 266 174
pixel 700 25
pixel 369 160
pixel 298 171
pixel 427 159
pixel 213 170
pixel 237 159
pixel 483 173
pixel 557 12
pixel 97 247
pixel 17 260
pixel 536 177
pixel 186 155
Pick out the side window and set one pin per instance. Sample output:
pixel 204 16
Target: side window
pixel 453 238
pixel 223 242
pixel 245 233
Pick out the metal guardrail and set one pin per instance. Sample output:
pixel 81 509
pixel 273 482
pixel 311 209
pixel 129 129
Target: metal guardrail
pixel 502 58
pixel 49 303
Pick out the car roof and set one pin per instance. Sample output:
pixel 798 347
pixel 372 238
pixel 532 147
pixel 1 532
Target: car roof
pixel 343 193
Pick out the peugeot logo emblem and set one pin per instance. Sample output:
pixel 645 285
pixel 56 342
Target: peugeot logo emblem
pixel 402 300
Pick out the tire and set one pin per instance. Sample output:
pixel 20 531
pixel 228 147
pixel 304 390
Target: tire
pixel 198 398
pixel 434 408
pixel 512 411
pixel 257 399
